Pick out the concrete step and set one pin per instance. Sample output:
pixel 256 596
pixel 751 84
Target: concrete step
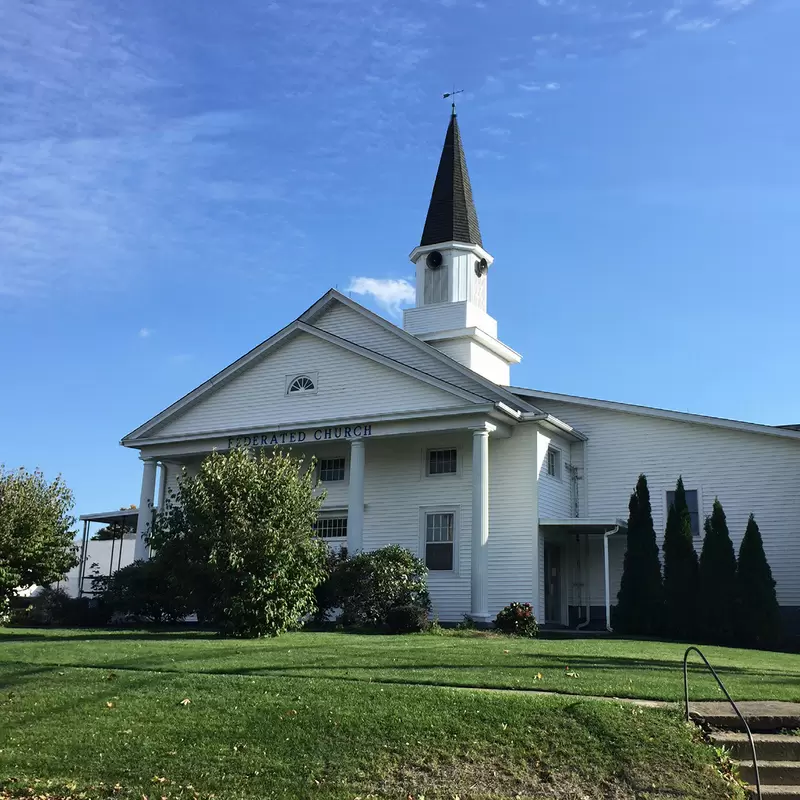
pixel 772 773
pixel 760 715
pixel 777 792
pixel 769 746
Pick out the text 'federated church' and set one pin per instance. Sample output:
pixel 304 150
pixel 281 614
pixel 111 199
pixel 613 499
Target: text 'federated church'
pixel 422 440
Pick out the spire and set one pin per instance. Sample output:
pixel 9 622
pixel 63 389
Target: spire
pixel 451 214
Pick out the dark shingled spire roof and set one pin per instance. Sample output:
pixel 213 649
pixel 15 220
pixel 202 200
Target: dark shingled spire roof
pixel 451 214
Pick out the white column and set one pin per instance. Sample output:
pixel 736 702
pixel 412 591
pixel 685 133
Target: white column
pixel 140 550
pixel 355 498
pixel 480 526
pixel 162 486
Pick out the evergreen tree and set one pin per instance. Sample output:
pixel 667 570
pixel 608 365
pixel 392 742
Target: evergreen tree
pixel 680 569
pixel 717 587
pixel 640 600
pixel 759 620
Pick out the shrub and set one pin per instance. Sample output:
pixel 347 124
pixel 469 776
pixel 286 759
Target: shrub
pixel 55 607
pixel 368 585
pixel 148 591
pixel 329 593
pixel 407 619
pixel 517 619
pixel 717 581
pixel 240 537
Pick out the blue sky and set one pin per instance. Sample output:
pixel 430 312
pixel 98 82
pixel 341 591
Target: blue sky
pixel 180 180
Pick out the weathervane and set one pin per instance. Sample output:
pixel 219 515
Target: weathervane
pixel 453 94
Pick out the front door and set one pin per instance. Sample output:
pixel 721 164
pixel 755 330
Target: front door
pixel 552 583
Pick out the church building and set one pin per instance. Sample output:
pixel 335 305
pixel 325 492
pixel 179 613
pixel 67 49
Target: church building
pixel 423 440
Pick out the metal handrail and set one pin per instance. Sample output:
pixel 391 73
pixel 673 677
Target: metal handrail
pixel 730 700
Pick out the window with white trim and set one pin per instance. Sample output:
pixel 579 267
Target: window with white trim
pixel 301 385
pixel 693 504
pixel 331 527
pixel 442 462
pixel 331 469
pixel 440 540
pixel 553 462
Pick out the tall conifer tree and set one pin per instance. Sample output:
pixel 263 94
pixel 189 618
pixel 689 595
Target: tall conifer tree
pixel 759 619
pixel 640 600
pixel 717 586
pixel 680 569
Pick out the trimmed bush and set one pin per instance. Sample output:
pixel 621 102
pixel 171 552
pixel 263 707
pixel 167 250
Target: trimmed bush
pixel 368 585
pixel 54 607
pixel 517 619
pixel 407 619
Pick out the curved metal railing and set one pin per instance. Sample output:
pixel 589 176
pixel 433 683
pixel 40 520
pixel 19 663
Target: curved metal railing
pixel 730 700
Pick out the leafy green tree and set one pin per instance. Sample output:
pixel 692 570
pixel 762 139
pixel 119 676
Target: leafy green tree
pixel 37 542
pixel 717 580
pixel 240 536
pixel 640 601
pixel 680 568
pixel 759 616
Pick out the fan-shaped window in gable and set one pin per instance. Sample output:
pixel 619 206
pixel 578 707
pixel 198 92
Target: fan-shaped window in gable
pixel 301 384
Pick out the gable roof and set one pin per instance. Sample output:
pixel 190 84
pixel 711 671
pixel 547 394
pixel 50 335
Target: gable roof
pixel 483 386
pixel 274 342
pixel 451 214
pixel 785 432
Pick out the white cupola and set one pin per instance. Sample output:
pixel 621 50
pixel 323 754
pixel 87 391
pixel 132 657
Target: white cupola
pixel 452 271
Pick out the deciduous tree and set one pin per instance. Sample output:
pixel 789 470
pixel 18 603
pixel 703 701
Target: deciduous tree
pixel 37 542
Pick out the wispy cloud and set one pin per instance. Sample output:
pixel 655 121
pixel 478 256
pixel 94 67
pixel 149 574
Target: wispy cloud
pixel 145 333
pixel 536 86
pixel 391 294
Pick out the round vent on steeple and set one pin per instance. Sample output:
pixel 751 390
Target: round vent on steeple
pixel 434 260
pixel 481 267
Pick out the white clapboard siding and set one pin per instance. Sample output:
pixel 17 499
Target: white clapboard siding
pixel 512 518
pixel 396 488
pixel 349 386
pixel 749 472
pixel 555 493
pixel 349 324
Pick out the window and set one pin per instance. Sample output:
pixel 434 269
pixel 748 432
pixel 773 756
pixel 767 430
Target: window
pixel 331 469
pixel 553 462
pixel 439 531
pixel 331 527
pixel 301 384
pixel 693 502
pixel 443 462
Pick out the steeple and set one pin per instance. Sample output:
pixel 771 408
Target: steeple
pixel 453 273
pixel 451 213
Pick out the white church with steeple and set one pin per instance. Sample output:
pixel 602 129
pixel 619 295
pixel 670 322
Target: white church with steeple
pixel 422 439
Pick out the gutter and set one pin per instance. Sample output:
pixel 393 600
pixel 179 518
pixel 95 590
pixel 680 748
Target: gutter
pixel 555 422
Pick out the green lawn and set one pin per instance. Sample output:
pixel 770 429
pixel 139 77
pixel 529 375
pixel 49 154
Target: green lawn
pixel 608 667
pixel 313 715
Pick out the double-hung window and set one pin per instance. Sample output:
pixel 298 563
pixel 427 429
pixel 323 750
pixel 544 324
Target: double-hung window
pixel 331 469
pixel 553 462
pixel 440 540
pixel 442 462
pixel 331 526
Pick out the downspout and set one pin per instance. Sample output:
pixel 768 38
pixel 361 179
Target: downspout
pixel 586 585
pixel 606 536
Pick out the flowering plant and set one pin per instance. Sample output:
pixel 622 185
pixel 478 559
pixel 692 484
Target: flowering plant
pixel 517 619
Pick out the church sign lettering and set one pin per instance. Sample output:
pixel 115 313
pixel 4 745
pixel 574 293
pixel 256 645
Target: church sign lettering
pixel 271 439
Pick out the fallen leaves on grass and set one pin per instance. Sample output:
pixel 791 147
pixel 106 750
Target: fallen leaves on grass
pixel 185 701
